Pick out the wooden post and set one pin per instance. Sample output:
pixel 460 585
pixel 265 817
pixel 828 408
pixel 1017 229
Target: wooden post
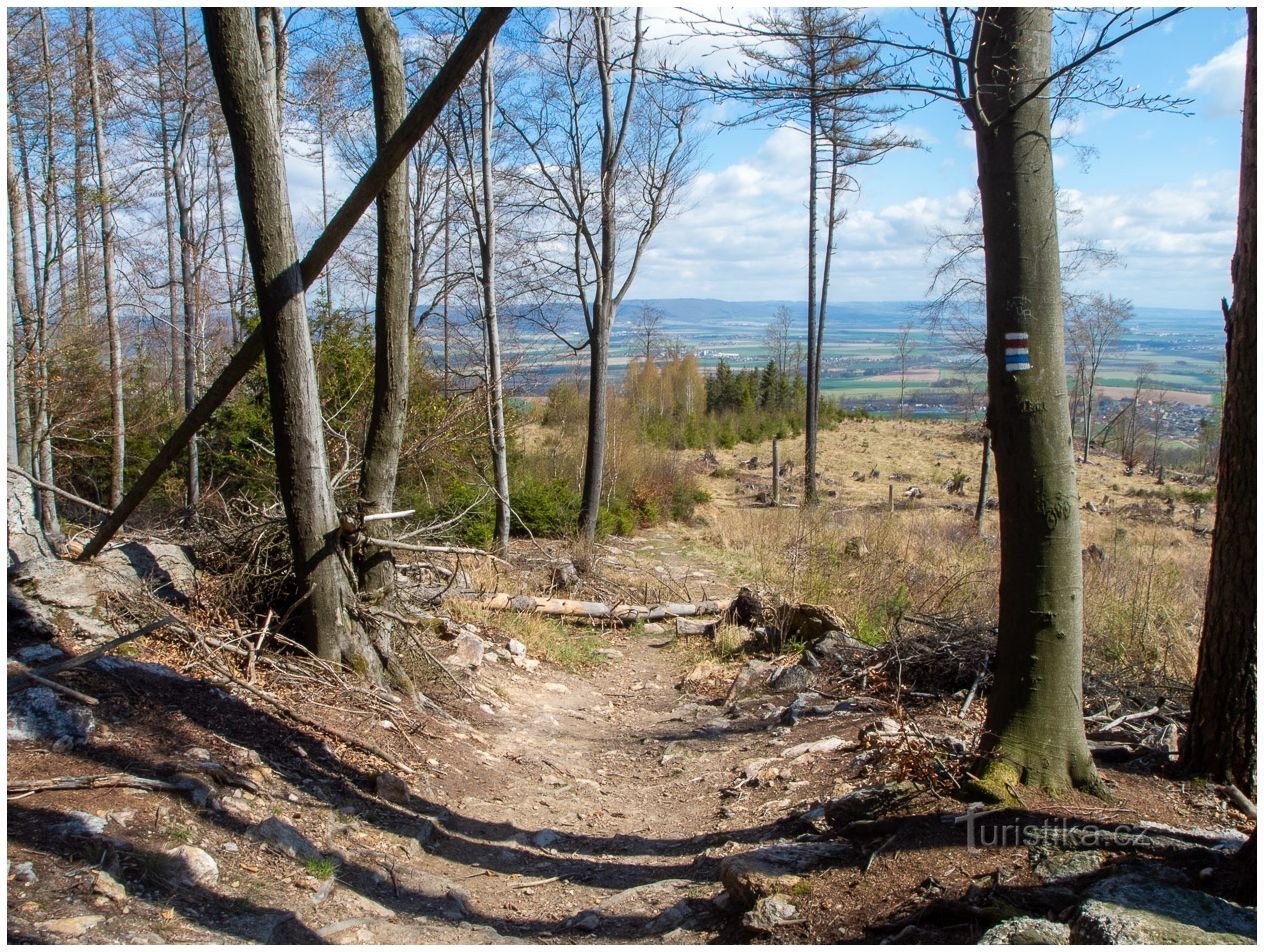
pixel 890 497
pixel 776 473
pixel 983 483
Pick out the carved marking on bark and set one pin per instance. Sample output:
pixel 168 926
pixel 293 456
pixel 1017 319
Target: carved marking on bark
pixel 1061 506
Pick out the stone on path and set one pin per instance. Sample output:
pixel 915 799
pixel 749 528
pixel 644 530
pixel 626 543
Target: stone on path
pixel 191 866
pixel 1027 930
pixel 1134 909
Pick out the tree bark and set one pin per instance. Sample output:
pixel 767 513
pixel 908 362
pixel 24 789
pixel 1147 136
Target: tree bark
pixel 392 322
pixel 495 380
pixel 1222 725
pixel 810 413
pixel 1034 732
pixel 175 380
pixel 105 197
pixel 302 464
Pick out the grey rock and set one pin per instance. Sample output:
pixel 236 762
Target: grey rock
pixel 770 913
pixel 809 660
pixel 1059 865
pixel 167 570
pixel 192 866
pixel 81 824
pixel 610 654
pixel 840 646
pixel 103 884
pixel 654 628
pixel 856 548
pixel 546 838
pixel 469 649
pixel 39 714
pixel 1026 930
pixel 71 927
pixel 791 678
pixel 765 872
pixel 564 575
pixel 24 873
pixel 826 745
pixel 282 835
pixel 517 649
pixel 585 922
pixel 38 654
pixel 1133 909
pixel 391 787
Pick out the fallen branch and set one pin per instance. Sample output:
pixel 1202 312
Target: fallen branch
pixel 1139 715
pixel 89 783
pixel 1238 799
pixel 288 711
pixel 21 671
pixel 383 516
pixel 441 549
pixel 49 487
pixel 80 660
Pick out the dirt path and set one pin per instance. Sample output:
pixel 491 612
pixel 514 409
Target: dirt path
pixel 610 799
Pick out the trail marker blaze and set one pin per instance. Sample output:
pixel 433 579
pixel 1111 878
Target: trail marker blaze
pixel 1017 354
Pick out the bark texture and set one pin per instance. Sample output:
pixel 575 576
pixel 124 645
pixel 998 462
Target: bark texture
pixel 302 465
pixel 1034 733
pixel 1222 725
pixel 105 197
pixel 392 321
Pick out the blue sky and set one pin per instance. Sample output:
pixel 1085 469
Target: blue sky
pixel 1161 190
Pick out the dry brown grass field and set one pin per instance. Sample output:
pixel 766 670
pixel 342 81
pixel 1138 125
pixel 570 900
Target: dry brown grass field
pixel 1143 590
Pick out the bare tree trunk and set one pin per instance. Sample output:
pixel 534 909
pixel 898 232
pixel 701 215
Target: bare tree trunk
pixel 495 382
pixel 230 291
pixel 1034 733
pixel 1221 742
pixel 24 315
pixel 176 380
pixel 813 389
pixel 302 464
pixel 392 324
pixel 105 195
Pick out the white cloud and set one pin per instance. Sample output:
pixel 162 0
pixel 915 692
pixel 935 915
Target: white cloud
pixel 1221 80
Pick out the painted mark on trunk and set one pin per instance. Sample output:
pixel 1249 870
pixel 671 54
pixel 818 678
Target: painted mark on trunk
pixel 1017 352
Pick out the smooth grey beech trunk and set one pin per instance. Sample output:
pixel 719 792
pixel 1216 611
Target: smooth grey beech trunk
pixel 302 465
pixel 495 378
pixel 392 321
pixel 1034 732
pixel 1221 742
pixel 106 198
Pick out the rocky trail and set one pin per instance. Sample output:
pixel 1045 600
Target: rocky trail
pixel 662 795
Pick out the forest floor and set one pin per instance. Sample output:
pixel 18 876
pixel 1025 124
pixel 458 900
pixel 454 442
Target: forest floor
pixel 595 801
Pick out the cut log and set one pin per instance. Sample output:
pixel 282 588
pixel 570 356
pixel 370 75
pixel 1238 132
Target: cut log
pixel 623 614
pixel 687 626
pixel 91 782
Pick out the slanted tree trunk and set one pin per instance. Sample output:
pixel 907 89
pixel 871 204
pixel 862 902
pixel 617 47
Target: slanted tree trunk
pixel 1034 733
pixel 105 197
pixel 1222 728
pixel 302 464
pixel 392 324
pixel 984 476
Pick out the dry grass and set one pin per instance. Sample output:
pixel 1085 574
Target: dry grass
pixel 1143 604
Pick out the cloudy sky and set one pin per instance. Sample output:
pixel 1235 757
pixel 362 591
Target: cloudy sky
pixel 1161 191
pixel 1158 189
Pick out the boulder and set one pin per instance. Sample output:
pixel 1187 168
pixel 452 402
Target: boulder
pixel 469 650
pixel 191 866
pixel 771 912
pixel 39 714
pixel 792 677
pixel 748 877
pixel 564 575
pixel 1059 865
pixel 1026 930
pixel 1138 910
pixel 391 787
pixel 282 835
